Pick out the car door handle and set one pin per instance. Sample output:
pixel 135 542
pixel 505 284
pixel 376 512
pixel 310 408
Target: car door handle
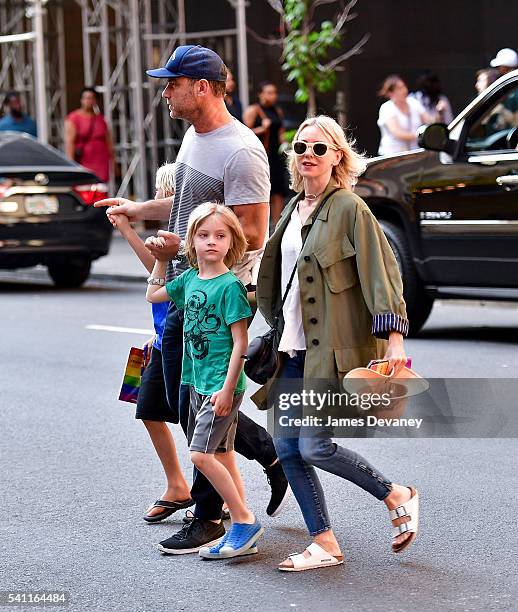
pixel 511 180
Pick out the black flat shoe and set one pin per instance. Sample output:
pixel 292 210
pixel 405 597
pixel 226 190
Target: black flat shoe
pixel 169 508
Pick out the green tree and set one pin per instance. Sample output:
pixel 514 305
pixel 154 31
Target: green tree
pixel 308 47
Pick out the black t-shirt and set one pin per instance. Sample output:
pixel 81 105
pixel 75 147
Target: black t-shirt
pixel 275 117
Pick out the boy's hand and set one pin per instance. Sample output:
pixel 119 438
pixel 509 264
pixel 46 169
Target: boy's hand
pixel 121 222
pixel 164 246
pixel 222 402
pixel 154 242
pixel 148 347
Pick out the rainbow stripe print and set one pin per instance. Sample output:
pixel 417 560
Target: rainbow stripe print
pixel 132 376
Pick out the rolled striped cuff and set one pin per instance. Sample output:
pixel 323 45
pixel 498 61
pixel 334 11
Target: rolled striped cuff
pixel 383 324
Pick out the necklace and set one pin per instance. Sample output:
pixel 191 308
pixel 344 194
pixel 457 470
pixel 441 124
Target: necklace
pixel 311 197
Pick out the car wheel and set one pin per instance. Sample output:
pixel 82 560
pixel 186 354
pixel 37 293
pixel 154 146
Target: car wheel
pixel 418 303
pixel 70 274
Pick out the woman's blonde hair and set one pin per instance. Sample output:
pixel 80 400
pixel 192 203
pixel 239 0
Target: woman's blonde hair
pixel 164 179
pixel 346 172
pixel 238 241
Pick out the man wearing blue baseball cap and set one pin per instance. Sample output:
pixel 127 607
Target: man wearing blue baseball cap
pixel 220 159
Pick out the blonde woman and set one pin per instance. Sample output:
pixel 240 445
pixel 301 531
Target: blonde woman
pixel 345 307
pixel 216 312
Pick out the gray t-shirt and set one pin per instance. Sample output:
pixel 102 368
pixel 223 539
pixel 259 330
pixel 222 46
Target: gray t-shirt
pixel 227 165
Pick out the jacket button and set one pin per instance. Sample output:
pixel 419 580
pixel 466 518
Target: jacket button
pixel 307 258
pixel 315 342
pixel 311 300
pixel 313 320
pixel 309 279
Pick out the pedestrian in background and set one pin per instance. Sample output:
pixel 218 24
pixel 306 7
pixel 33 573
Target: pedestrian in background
pixel 345 301
pixel 266 119
pixel 429 93
pixel 399 117
pixel 215 339
pixel 232 101
pixel 87 137
pixel 15 120
pixel 152 406
pixel 505 61
pixel 485 77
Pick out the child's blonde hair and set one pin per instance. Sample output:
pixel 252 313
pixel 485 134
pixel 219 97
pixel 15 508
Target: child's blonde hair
pixel 238 241
pixel 164 179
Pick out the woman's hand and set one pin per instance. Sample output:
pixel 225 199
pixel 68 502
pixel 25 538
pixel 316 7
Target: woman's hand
pixel 222 402
pixel 395 354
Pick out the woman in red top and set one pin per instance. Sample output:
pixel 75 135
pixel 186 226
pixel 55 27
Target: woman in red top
pixel 87 137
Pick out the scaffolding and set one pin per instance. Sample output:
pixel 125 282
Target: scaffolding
pixel 120 39
pixel 32 61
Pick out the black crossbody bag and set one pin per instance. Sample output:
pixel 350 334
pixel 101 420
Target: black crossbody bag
pixel 262 355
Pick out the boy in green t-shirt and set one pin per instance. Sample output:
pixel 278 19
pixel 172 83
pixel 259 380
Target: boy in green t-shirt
pixel 215 340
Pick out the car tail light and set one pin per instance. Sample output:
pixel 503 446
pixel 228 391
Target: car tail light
pixel 89 194
pixel 4 187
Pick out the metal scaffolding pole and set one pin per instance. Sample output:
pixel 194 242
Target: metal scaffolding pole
pixel 242 51
pixel 87 57
pixel 138 101
pixel 120 39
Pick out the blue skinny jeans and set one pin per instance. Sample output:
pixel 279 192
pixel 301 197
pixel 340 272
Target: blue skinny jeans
pixel 299 457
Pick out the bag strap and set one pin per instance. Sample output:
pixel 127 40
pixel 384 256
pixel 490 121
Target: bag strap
pixel 288 286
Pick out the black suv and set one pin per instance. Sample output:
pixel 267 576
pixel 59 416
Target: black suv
pixel 450 209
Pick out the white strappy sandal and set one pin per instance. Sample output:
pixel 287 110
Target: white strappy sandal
pixel 318 558
pixel 409 509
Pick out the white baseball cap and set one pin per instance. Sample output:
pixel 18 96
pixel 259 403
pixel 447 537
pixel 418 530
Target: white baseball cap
pixel 505 57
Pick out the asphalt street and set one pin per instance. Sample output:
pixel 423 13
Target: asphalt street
pixel 77 472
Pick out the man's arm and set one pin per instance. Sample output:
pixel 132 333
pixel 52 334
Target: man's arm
pixel 153 210
pixel 254 221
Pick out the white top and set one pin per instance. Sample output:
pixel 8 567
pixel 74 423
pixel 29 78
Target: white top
pixel 293 338
pixel 389 144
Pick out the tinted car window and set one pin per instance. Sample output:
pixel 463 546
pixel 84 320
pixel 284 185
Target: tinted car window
pixel 493 130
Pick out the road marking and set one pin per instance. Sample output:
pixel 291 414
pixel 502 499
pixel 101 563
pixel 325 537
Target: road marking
pixel 122 330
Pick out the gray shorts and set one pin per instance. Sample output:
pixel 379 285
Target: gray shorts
pixel 206 432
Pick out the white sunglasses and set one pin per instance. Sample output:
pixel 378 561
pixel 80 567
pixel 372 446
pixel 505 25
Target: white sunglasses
pixel 319 149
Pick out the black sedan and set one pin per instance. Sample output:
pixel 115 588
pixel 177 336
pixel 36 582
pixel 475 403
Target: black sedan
pixel 46 211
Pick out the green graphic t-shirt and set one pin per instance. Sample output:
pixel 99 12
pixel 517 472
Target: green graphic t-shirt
pixel 210 306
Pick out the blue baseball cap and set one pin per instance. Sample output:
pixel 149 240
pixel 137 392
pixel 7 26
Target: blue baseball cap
pixel 194 62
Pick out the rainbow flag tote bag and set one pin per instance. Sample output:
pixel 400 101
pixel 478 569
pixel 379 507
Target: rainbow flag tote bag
pixel 133 375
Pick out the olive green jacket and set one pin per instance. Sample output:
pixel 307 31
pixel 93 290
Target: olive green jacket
pixel 350 287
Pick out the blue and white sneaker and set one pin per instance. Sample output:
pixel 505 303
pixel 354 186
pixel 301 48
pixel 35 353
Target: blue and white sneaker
pixel 213 552
pixel 238 541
